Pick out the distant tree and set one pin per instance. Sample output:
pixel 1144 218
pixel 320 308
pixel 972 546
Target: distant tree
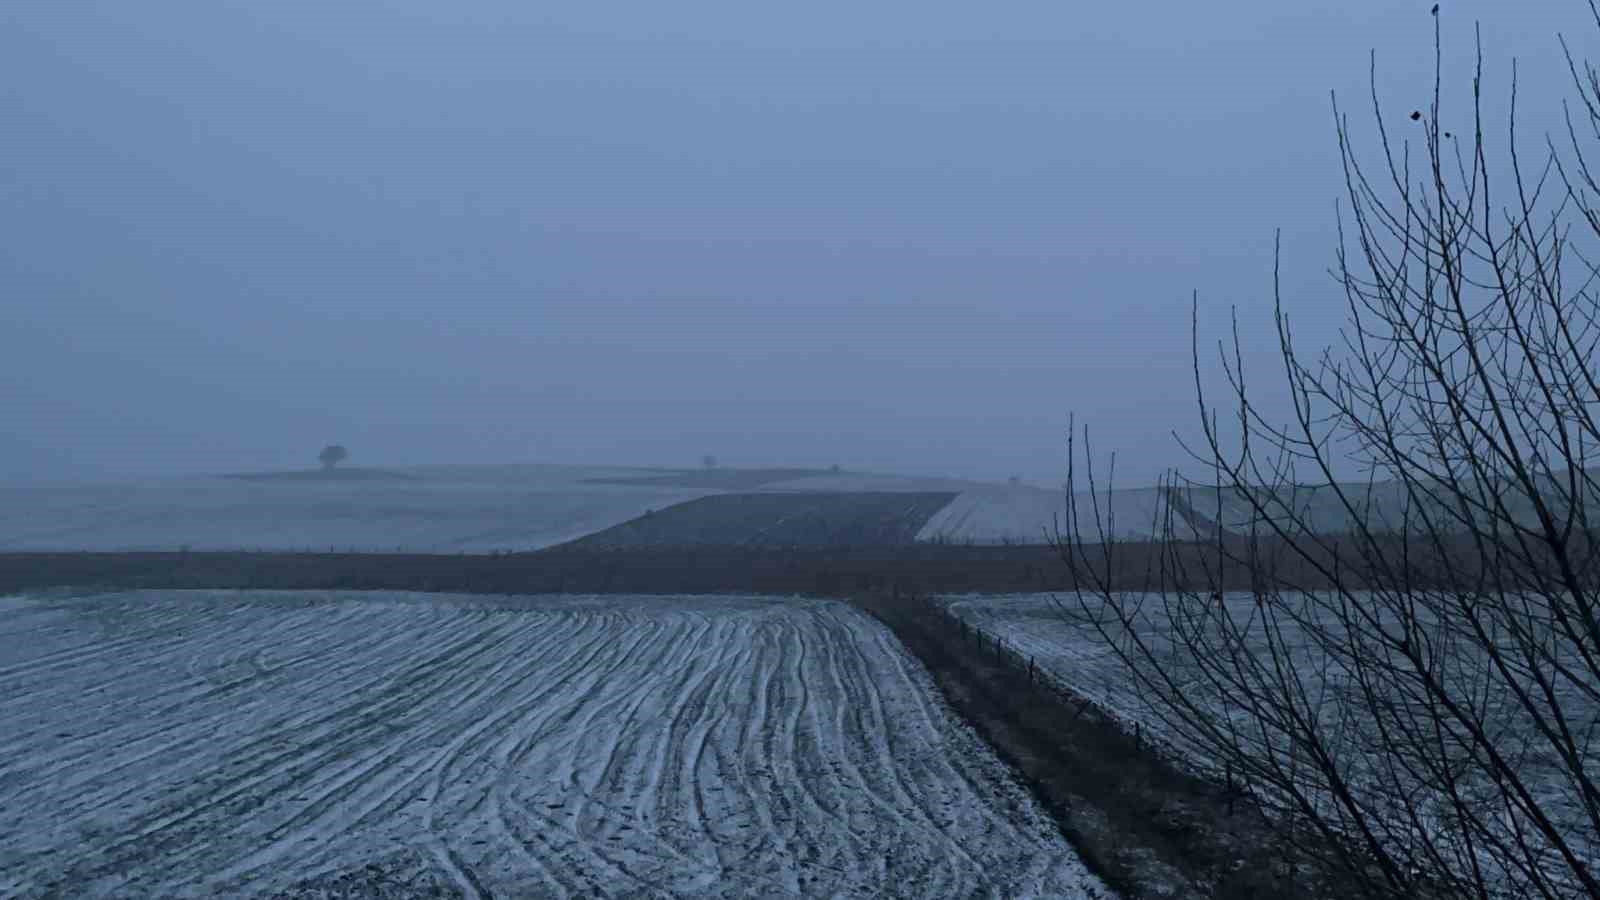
pixel 708 461
pixel 332 455
pixel 834 468
pixel 1014 481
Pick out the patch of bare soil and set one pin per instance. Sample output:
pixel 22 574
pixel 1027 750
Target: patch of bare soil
pixel 778 520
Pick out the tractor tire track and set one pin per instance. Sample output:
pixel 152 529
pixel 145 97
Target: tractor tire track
pixel 195 744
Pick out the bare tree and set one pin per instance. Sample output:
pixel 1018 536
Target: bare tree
pixel 332 455
pixel 1404 672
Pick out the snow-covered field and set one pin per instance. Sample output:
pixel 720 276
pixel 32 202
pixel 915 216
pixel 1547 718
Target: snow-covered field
pixel 473 509
pixel 239 744
pixel 479 509
pixel 1042 626
pixel 989 514
pixel 432 509
pixel 1028 515
pixel 1038 625
pixel 441 509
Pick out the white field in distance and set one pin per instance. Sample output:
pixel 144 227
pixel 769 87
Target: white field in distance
pixel 441 509
pixel 200 744
pixel 488 508
pixel 482 509
pixel 1022 514
pixel 435 509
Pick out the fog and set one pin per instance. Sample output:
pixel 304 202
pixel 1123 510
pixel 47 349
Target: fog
pixel 900 236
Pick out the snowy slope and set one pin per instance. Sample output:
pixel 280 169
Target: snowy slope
pixel 439 509
pixel 444 509
pixel 1028 515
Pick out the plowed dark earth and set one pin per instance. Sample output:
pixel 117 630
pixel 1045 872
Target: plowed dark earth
pixel 778 520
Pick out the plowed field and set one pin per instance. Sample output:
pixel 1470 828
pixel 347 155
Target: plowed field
pixel 322 744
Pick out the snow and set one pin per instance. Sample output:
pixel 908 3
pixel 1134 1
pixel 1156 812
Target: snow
pixel 992 514
pixel 434 509
pixel 1043 628
pixel 188 744
pixel 1029 515
pixel 1385 506
pixel 444 509
pixel 1039 626
pixel 476 509
pixel 850 482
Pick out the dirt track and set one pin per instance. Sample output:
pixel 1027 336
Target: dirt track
pixel 1150 829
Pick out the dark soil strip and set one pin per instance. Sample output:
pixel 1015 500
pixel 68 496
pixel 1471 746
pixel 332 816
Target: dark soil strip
pixel 860 519
pixel 835 572
pixel 1144 826
pixel 666 569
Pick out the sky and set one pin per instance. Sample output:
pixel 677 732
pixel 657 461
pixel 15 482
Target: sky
pixel 900 236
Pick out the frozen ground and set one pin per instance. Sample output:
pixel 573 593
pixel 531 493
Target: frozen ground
pixel 479 509
pixel 1021 514
pixel 434 509
pixel 228 744
pixel 476 509
pixel 1041 626
pixel 441 509
pixel 850 482
pixel 780 519
pixel 990 514
pixel 1036 625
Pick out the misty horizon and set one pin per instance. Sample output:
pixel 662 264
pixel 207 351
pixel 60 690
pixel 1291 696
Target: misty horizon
pixel 912 239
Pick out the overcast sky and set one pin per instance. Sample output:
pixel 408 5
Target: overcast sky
pixel 904 236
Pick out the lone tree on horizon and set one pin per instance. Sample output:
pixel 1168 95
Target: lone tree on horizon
pixel 332 455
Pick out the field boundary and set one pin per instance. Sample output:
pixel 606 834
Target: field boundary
pixel 677 568
pixel 685 566
pixel 1145 826
pixel 823 572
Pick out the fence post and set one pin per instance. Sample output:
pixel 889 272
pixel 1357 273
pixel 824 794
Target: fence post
pixel 1229 770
